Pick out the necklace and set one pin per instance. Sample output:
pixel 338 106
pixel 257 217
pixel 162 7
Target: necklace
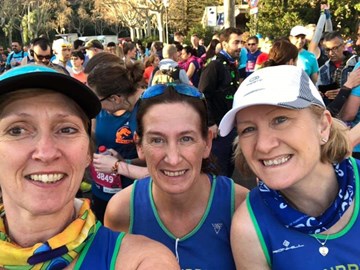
pixel 324 250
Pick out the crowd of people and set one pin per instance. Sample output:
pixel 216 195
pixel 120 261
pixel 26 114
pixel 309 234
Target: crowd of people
pixel 154 134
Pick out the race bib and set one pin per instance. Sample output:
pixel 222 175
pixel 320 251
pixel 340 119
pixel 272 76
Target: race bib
pixel 110 183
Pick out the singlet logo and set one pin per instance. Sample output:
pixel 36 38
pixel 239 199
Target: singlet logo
pixel 124 135
pixel 287 246
pixel 217 227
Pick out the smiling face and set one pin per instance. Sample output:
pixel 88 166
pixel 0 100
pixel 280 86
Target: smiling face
pixel 282 146
pixel 44 148
pixel 173 155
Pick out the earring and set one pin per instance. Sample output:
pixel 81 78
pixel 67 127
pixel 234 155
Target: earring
pixel 324 140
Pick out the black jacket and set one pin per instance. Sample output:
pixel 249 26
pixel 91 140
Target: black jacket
pixel 219 81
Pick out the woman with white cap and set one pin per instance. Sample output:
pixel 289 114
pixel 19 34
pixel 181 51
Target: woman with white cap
pixel 44 149
pixel 304 212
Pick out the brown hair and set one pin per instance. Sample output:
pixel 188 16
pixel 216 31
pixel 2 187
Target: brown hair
pixel 102 57
pixel 334 150
pixel 226 33
pixel 114 79
pixel 170 96
pixel 150 60
pixel 281 53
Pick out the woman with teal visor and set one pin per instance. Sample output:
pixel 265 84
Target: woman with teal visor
pixel 45 147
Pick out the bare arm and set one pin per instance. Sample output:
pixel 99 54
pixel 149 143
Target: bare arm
pixel 117 214
pixel 350 109
pixel 191 70
pixel 141 253
pixel 105 163
pixel 245 245
pixel 240 195
pixel 314 77
pixel 354 135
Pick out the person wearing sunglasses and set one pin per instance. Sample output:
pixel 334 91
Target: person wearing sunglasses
pixel 118 89
pixel 41 51
pixel 183 204
pixel 252 55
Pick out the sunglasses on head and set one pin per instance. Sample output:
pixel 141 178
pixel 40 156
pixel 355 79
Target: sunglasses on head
pixel 182 89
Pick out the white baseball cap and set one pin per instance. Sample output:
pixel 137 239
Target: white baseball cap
pixel 298 30
pixel 284 86
pixel 60 43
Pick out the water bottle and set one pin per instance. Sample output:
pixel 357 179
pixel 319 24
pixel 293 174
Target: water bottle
pixel 107 182
pixel 103 150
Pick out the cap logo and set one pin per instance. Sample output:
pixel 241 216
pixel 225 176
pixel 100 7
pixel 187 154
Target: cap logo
pixel 254 79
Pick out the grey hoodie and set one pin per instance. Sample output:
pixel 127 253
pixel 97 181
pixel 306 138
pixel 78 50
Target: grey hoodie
pixel 169 63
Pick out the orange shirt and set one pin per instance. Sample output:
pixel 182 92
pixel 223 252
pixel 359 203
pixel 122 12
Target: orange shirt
pixel 80 76
pixel 147 73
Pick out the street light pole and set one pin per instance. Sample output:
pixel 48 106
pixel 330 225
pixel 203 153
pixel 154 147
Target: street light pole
pixel 166 5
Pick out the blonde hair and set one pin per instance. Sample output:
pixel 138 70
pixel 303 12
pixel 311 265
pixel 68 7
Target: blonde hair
pixel 169 51
pixel 333 151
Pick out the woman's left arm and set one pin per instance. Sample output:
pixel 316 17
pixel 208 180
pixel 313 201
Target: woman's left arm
pixel 111 164
pixel 191 70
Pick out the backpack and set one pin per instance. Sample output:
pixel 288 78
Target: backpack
pixel 163 76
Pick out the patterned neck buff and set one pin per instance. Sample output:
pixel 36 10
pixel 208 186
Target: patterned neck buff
pixel 299 221
pixel 57 253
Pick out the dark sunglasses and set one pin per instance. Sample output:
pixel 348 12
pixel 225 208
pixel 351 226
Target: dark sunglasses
pixel 42 57
pixel 104 98
pixel 251 44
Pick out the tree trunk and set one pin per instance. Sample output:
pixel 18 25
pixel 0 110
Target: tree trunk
pixel 229 13
pixel 148 27
pixel 132 33
pixel 160 26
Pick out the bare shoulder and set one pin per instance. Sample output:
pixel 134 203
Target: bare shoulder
pixel 117 214
pixel 140 252
pixel 245 243
pixel 240 194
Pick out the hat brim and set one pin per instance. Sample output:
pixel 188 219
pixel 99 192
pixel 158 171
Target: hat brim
pixel 58 82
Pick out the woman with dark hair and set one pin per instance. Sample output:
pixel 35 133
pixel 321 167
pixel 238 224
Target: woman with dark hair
pixel 118 89
pixel 212 50
pixel 282 53
pixel 191 65
pixel 183 203
pixel 150 64
pixel 130 52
